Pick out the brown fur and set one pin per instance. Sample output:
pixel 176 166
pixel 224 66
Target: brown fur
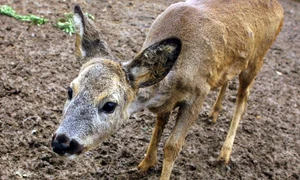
pixel 99 97
pixel 220 40
pixel 216 40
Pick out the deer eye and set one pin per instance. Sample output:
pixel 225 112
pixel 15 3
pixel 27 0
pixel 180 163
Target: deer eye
pixel 108 107
pixel 70 93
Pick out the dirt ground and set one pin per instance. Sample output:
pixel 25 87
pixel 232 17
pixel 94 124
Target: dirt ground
pixel 37 64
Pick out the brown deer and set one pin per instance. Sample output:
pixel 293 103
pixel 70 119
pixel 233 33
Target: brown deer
pixel 191 48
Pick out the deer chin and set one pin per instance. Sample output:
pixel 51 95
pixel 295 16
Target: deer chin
pixel 68 156
pixel 73 157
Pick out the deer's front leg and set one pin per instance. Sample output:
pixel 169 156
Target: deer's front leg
pixel 185 119
pixel 151 155
pixel 246 80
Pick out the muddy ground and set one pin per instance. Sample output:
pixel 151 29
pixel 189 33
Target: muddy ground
pixel 37 64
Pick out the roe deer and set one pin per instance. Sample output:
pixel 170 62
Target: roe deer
pixel 191 48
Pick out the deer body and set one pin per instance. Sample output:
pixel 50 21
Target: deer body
pixel 191 48
pixel 219 42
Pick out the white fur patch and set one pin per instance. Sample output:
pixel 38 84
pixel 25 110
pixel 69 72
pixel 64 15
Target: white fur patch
pixel 78 24
pixel 83 52
pixel 72 157
pixel 80 30
pixel 126 63
pixel 139 71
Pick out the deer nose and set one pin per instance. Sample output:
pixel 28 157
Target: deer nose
pixel 62 145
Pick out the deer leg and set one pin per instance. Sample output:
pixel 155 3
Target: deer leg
pixel 151 155
pixel 246 79
pixel 218 104
pixel 186 117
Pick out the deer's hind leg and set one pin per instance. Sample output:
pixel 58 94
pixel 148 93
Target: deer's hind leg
pixel 246 79
pixel 218 104
pixel 151 155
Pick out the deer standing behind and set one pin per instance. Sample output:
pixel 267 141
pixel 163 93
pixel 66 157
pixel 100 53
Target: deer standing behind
pixel 191 48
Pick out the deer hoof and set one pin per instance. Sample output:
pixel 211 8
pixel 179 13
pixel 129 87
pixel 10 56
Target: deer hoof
pixel 225 155
pixel 214 116
pixel 146 164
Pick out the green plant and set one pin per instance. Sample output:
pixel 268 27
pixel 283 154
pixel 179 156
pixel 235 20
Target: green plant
pixel 7 10
pixel 66 24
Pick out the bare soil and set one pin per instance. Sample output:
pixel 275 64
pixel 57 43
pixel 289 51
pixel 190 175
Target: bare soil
pixel 37 64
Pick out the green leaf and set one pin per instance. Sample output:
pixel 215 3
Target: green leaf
pixel 7 10
pixel 66 24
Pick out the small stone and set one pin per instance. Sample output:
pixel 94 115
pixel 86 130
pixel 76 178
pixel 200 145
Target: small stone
pixel 34 131
pixel 279 73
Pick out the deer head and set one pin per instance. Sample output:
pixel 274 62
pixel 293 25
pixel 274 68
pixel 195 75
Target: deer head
pixel 99 97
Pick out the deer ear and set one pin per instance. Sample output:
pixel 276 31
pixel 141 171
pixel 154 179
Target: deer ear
pixel 88 40
pixel 154 63
pixel 79 20
pixel 79 23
